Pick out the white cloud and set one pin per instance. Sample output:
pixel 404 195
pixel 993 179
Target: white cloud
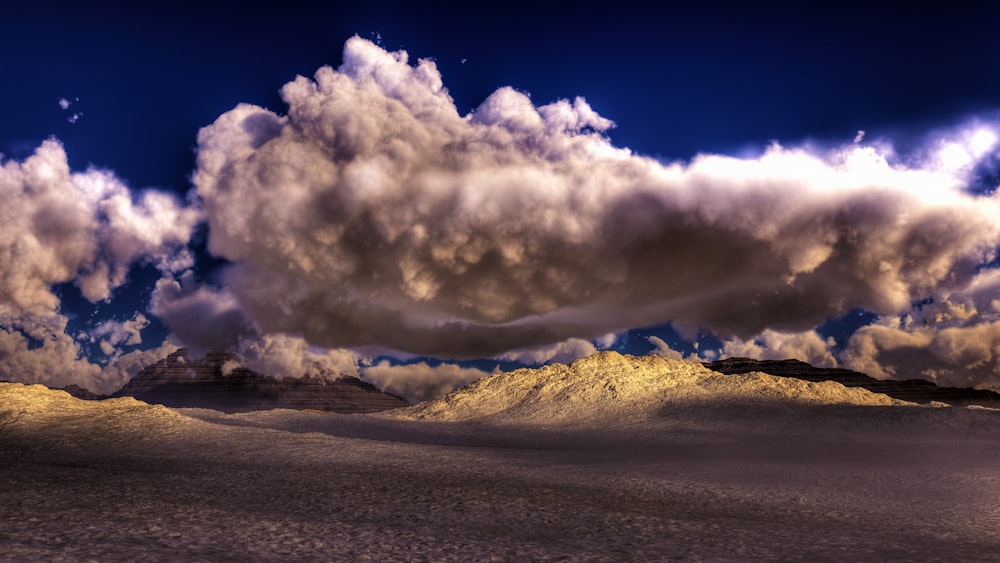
pixel 966 147
pixel 372 213
pixel 84 228
pixel 663 350
pixel 281 355
pixel 954 341
pixel 33 351
pixel 57 226
pixel 420 382
pixel 965 356
pixel 562 352
pixel 127 332
pixel 807 346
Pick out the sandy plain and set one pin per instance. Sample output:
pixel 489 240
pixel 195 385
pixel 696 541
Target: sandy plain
pixel 746 468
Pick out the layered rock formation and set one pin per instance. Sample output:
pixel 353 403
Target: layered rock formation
pixel 211 382
pixel 913 390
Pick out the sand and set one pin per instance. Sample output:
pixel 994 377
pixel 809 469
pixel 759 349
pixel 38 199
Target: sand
pixel 718 470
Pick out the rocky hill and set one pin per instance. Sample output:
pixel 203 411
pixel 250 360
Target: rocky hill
pixel 913 390
pixel 609 386
pixel 181 381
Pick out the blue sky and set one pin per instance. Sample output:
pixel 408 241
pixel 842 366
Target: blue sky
pixel 677 81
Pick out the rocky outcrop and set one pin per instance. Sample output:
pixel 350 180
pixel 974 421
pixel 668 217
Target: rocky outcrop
pixel 212 382
pixel 913 390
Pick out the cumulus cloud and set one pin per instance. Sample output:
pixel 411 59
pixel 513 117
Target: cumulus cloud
pixel 966 356
pixel 48 356
pixel 807 346
pixel 664 350
pixel 281 355
pixel 209 319
pixel 373 213
pixel 954 341
pixel 420 382
pixel 33 352
pixel 112 333
pixel 562 352
pixel 84 228
pixel 204 318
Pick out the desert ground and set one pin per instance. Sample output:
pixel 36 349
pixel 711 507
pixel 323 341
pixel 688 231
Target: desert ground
pixel 610 459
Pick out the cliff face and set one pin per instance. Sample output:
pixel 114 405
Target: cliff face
pixel 180 381
pixel 913 390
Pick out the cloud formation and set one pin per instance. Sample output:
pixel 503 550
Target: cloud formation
pixel 372 213
pixel 954 341
pixel 560 352
pixel 280 355
pixel 420 381
pixel 112 333
pixel 807 346
pixel 664 350
pixel 83 228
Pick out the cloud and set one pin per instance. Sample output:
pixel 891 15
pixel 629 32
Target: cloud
pixel 663 350
pixel 954 341
pixel 85 228
pixel 562 352
pixel 204 318
pixel 125 366
pixel 420 382
pixel 965 356
pixel 280 355
pixel 209 319
pixel 807 346
pixel 44 353
pixel 47 355
pixel 372 213
pixel 115 332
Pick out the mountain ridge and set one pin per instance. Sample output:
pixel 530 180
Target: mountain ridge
pixel 212 382
pixel 612 386
pixel 182 381
pixel 912 390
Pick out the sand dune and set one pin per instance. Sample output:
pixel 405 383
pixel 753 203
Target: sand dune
pixel 611 459
pixel 610 386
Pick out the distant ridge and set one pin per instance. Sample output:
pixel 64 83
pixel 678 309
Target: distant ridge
pixel 81 393
pixel 611 387
pixel 180 381
pixel 913 390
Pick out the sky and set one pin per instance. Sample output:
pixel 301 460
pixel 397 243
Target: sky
pixel 418 194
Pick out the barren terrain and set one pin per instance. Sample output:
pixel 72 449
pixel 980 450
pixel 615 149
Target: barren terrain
pixel 613 458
